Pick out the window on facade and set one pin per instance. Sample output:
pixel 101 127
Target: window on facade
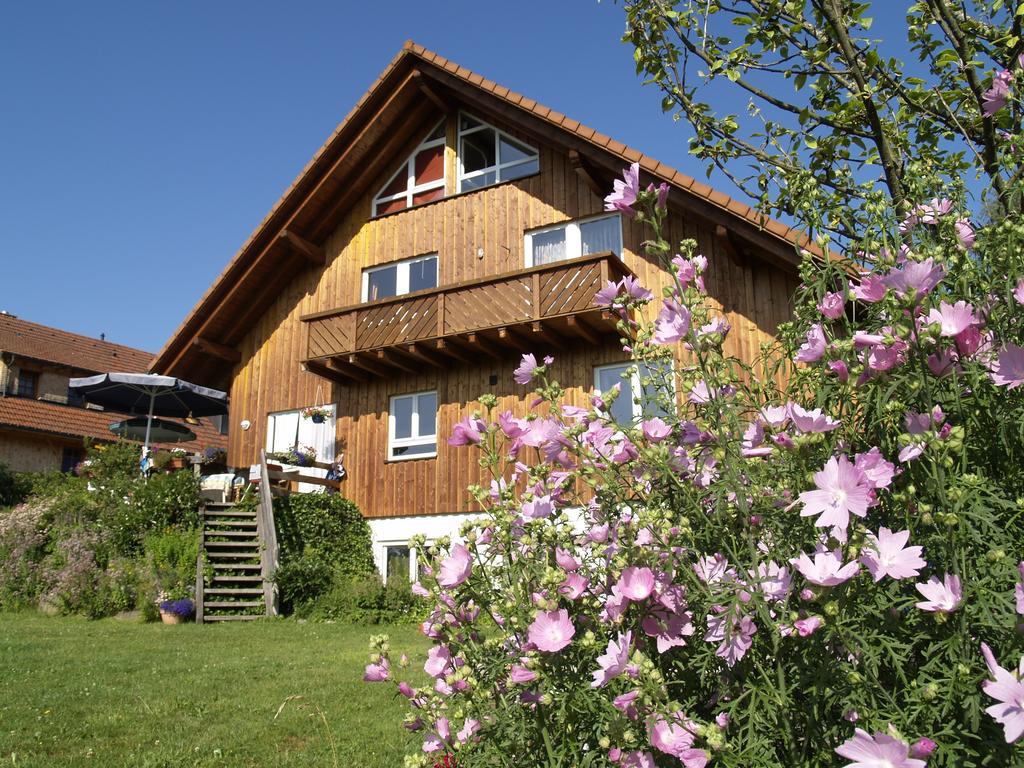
pixel 488 156
pixel 643 389
pixel 28 384
pixel 400 278
pixel 286 429
pixel 419 180
pixel 412 426
pixel 398 563
pixel 573 239
pixel 69 458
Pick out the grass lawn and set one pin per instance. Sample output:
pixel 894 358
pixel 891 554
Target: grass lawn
pixel 104 693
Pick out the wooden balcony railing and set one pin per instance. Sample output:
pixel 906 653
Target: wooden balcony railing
pixel 494 316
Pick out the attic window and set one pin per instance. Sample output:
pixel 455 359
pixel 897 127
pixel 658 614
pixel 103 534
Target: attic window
pixel 419 180
pixel 488 156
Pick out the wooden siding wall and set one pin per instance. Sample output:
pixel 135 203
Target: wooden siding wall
pixel 755 296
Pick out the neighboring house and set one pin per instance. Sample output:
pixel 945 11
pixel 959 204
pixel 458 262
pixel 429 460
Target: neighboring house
pixel 447 226
pixel 42 425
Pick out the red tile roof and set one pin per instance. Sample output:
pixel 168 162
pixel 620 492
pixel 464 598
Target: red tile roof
pixel 42 342
pixel 69 422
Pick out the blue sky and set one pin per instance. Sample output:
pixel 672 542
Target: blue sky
pixel 141 143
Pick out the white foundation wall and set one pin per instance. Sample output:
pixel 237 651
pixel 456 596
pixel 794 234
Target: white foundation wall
pixel 396 531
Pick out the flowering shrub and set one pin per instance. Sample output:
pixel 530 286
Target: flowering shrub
pixel 813 558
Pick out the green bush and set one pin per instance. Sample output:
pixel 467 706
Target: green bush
pixel 364 600
pixel 171 564
pixel 14 487
pixel 169 499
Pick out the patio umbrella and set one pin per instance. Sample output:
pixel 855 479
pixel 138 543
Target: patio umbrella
pixel 150 395
pixel 161 430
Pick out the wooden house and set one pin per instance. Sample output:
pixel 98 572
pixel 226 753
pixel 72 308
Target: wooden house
pixel 447 226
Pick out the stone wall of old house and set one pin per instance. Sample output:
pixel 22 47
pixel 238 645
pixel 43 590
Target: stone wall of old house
pixel 53 386
pixel 30 453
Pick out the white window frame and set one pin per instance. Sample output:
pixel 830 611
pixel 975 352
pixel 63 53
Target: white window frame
pixel 415 438
pixel 401 275
pixel 498 166
pixel 411 188
pixel 635 384
pixel 413 566
pixel 573 237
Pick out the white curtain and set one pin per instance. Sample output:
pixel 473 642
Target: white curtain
pixel 289 428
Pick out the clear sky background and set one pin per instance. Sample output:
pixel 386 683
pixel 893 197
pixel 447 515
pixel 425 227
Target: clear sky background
pixel 142 142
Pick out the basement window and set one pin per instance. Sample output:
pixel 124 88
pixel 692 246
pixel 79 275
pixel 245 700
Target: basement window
pixel 419 180
pixel 573 239
pixel 488 156
pixel 640 397
pixel 412 426
pixel 400 278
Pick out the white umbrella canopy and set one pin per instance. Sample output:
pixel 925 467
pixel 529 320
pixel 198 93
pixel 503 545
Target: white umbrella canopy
pixel 150 395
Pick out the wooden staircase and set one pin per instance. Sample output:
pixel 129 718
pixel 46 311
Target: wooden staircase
pixel 234 575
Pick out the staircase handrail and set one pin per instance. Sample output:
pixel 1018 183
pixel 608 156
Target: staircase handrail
pixel 268 535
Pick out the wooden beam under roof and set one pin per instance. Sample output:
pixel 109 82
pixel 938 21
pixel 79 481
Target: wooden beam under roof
pixel 545 332
pixel 422 353
pixel 451 349
pixel 360 361
pixel 314 254
pixel 585 169
pixel 331 372
pixel 431 92
pixel 485 345
pixel 581 328
pixel 390 357
pixel 222 351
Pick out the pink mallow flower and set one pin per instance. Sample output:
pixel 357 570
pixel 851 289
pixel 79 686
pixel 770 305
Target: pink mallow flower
pixel 524 373
pixel 887 555
pixel 614 660
pixel 878 751
pixel 736 634
pixel 538 507
pixel 826 569
pixel 551 631
pixel 808 626
pixel 965 233
pixel 673 322
pixel 469 431
pixel 636 583
pixel 669 629
pixel 952 319
pixel 942 596
pixel 655 429
pixel 871 289
pixel 520 675
pixel 813 348
pixel 1008 368
pixel 1018 589
pixel 625 192
pixel 675 737
pixel 1006 688
pixel 876 470
pixel 811 421
pixel 831 305
pixel 377 673
pixel 994 99
pixel 456 567
pixel 1018 292
pixel 841 491
pixel 915 278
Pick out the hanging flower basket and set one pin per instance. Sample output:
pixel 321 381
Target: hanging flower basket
pixel 316 413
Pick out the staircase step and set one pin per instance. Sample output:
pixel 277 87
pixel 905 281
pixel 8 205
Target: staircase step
pixel 244 579
pixel 232 617
pixel 231 544
pixel 230 513
pixel 236 566
pixel 231 523
pixel 228 591
pixel 239 604
pixel 233 534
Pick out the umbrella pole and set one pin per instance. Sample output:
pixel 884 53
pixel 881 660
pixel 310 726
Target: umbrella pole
pixel 149 419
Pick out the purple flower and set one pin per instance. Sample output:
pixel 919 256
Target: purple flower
pixel 625 192
pixel 636 583
pixel 614 660
pixel 942 596
pixel 878 751
pixel 673 322
pixel 965 233
pixel 808 626
pixel 915 278
pixel 377 673
pixel 1018 589
pixel 813 349
pixel 1006 688
pixel 524 373
pixel 841 491
pixel 922 748
pixel 565 560
pixel 573 586
pixel 456 567
pixel 773 581
pixel 551 631
pixel 668 629
pixel 876 470
pixel 469 431
pixel 655 430
pixel 520 675
pixel 468 730
pixel 606 296
pixel 537 507
pixel 1008 369
pixel 811 421
pixel 439 661
pixel 736 634
pixel 831 305
pixel 826 569
pixel 994 99
pixel 887 555
pixel 635 290
pixel 871 289
pixel 1018 292
pixel 673 737
pixel 952 319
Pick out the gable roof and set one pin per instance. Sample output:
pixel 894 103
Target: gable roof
pixel 41 342
pixel 416 84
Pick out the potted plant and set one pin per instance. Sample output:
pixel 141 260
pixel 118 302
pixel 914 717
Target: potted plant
pixel 179 458
pixel 176 611
pixel 316 413
pixel 214 456
pixel 298 455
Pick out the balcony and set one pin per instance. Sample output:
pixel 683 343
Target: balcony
pixel 545 307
